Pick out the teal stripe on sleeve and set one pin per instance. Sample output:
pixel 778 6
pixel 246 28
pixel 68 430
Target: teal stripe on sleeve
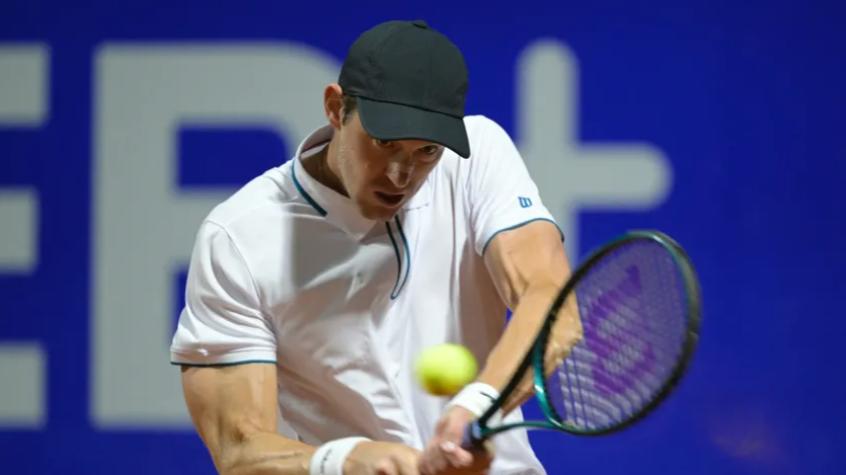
pixel 509 228
pixel 220 365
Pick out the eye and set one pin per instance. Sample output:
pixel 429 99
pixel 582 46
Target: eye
pixel 429 153
pixel 383 143
pixel 430 150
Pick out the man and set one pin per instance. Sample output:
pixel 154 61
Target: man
pixel 313 288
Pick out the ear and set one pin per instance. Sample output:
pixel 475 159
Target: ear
pixel 333 105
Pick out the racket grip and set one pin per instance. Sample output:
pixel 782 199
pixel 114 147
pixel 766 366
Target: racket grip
pixel 472 438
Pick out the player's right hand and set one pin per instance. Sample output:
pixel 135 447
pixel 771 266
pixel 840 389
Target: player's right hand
pixel 444 455
pixel 382 458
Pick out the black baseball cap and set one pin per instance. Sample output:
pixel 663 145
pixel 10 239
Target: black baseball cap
pixel 409 81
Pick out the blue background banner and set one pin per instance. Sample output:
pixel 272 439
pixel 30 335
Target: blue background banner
pixel 720 123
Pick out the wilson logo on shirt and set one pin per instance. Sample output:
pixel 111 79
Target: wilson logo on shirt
pixel 524 202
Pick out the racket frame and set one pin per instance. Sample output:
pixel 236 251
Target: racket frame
pixel 479 431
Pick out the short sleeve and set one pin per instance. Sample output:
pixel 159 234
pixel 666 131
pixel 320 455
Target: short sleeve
pixel 501 193
pixel 222 322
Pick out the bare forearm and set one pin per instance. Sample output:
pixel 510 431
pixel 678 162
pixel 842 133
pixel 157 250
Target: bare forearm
pixel 234 411
pixel 521 331
pixel 265 453
pixel 518 336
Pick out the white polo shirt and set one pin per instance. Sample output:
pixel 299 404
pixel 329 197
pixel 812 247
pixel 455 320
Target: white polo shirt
pixel 288 271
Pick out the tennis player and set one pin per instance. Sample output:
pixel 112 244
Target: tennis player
pixel 399 225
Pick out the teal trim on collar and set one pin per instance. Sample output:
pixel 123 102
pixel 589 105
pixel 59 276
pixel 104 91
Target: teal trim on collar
pixel 219 365
pixel 402 277
pixel 399 260
pixel 509 228
pixel 407 253
pixel 306 196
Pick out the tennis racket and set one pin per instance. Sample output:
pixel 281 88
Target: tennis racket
pixel 639 303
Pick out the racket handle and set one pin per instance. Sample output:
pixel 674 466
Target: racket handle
pixel 472 438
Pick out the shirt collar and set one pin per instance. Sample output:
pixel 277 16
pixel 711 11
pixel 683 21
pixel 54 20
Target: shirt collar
pixel 333 206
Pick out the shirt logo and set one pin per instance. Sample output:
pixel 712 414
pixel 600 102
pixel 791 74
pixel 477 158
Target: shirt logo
pixel 524 202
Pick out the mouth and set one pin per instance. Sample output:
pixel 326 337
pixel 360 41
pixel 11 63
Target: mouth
pixel 389 199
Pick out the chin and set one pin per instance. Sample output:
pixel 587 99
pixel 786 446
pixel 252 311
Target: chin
pixel 377 213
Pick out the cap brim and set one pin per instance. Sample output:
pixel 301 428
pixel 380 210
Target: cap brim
pixel 391 121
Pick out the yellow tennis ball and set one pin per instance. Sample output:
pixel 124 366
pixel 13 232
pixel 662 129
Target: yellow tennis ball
pixel 444 369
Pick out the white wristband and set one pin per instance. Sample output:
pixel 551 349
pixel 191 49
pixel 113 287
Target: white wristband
pixel 475 397
pixel 329 457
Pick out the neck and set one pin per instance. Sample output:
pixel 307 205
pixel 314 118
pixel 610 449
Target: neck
pixel 322 167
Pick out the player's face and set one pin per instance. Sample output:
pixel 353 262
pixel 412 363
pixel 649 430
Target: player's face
pixel 379 176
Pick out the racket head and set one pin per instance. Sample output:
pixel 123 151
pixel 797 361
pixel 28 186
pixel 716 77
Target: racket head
pixel 640 307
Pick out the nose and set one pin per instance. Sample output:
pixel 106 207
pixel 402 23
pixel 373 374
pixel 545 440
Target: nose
pixel 400 171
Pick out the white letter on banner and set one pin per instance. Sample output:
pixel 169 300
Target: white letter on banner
pixel 144 225
pixel 570 175
pixel 24 73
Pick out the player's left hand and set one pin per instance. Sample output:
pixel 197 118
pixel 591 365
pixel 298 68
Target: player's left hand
pixel 443 454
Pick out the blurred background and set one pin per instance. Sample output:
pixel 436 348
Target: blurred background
pixel 718 122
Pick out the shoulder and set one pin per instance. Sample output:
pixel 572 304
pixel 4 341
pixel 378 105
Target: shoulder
pixel 481 130
pixel 490 147
pixel 485 137
pixel 269 194
pixel 489 142
pixel 255 226
pixel 258 218
pixel 480 124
